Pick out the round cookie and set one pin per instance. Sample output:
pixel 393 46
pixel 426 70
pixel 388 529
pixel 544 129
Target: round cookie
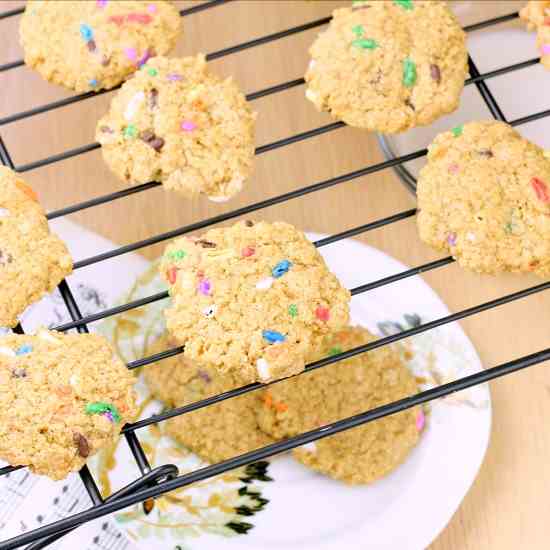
pixel 217 432
pixel 32 260
pixel 536 14
pixel 360 455
pixel 178 123
pixel 389 66
pixel 97 43
pixel 484 196
pixel 252 298
pixel 62 398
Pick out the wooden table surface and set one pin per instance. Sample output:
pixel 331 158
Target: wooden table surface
pixel 507 507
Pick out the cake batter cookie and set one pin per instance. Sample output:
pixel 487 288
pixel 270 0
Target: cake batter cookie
pixel 536 14
pixel 251 299
pixel 178 123
pixel 95 44
pixel 32 260
pixel 389 66
pixel 62 398
pixel 360 455
pixel 484 196
pixel 217 432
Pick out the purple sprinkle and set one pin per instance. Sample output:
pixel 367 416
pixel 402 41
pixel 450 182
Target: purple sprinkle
pixel 109 415
pixel 205 287
pixel 545 49
pixel 173 77
pixel 451 239
pixel 101 3
pixel 188 126
pixel 204 376
pixel 151 8
pixel 131 53
pixel 145 58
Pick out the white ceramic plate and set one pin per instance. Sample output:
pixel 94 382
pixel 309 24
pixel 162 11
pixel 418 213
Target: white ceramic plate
pixel 302 509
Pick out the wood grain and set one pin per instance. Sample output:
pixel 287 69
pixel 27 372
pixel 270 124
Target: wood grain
pixel 503 509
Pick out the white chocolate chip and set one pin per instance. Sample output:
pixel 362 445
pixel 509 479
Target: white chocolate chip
pixel 264 284
pixel 219 198
pixel 311 95
pixel 7 351
pixel 73 380
pixel 263 369
pixel 47 337
pixel 311 65
pixel 133 105
pixel 309 447
pixel 4 212
pixel 471 236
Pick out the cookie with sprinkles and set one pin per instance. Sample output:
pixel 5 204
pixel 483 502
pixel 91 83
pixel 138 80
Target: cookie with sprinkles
pixel 389 66
pixel 253 298
pixel 484 196
pixel 62 398
pixel 33 261
pixel 232 428
pixel 536 14
pixel 87 46
pixel 178 123
pixel 337 391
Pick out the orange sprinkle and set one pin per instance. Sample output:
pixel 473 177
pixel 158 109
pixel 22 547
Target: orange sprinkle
pixel 281 407
pixel 268 400
pixel 63 390
pixel 27 190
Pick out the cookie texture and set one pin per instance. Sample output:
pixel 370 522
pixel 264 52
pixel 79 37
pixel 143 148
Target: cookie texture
pixel 62 397
pixel 360 455
pixel 484 196
pixel 178 123
pixel 536 14
pixel 253 298
pixel 217 432
pixel 390 65
pixel 97 43
pixel 32 260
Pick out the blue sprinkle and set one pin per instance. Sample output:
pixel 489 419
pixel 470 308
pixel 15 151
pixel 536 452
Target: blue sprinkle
pixel 86 32
pixel 273 336
pixel 93 83
pixel 24 349
pixel 281 268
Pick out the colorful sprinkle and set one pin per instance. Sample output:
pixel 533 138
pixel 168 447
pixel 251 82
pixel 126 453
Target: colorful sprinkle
pixel 101 3
pixel 177 255
pixel 105 409
pixel 420 420
pixel 293 310
pixel 280 407
pixel 540 189
pixel 248 251
pixel 262 366
pixel 435 73
pixel 545 49
pixel 152 72
pixel 508 228
pixel 24 349
pixel 358 30
pixel 205 287
pixel 405 4
pixel 273 337
pixel 336 350
pixel 451 239
pixel 204 375
pixel 188 126
pixel 27 190
pixel 172 275
pixel 117 19
pixel 322 313
pixel 409 73
pixel 82 445
pixel 143 18
pixel 281 268
pixel 151 8
pixel 174 77
pixel 133 105
pixel 264 284
pixel 457 130
pixel 130 131
pixel 453 168
pixel 131 53
pixel 365 43
pixel 146 56
pixel 210 311
pixel 93 83
pixel 86 32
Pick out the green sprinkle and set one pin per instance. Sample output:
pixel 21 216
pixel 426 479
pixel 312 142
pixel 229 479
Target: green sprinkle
pixel 152 72
pixel 365 43
pixel 293 310
pixel 103 408
pixel 335 351
pixel 508 228
pixel 405 4
pixel 358 30
pixel 409 73
pixel 457 131
pixel 130 131
pixel 177 255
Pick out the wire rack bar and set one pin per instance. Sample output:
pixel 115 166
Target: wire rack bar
pixel 11 13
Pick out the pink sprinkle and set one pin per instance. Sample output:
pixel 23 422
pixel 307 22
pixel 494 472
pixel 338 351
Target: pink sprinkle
pixel 188 126
pixel 139 18
pixel 248 251
pixel 545 49
pixel 131 53
pixel 151 8
pixel 453 168
pixel 420 420
pixel 451 239
pixel 101 3
pixel 174 77
pixel 204 287
pixel 322 313
pixel 540 190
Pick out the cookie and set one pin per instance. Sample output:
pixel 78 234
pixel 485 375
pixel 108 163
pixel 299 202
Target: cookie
pixel 389 66
pixel 252 298
pixel 178 123
pixel 217 432
pixel 62 398
pixel 360 455
pixel 536 14
pixel 95 44
pixel 32 260
pixel 484 196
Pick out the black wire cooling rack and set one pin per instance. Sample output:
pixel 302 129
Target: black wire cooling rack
pixel 154 482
